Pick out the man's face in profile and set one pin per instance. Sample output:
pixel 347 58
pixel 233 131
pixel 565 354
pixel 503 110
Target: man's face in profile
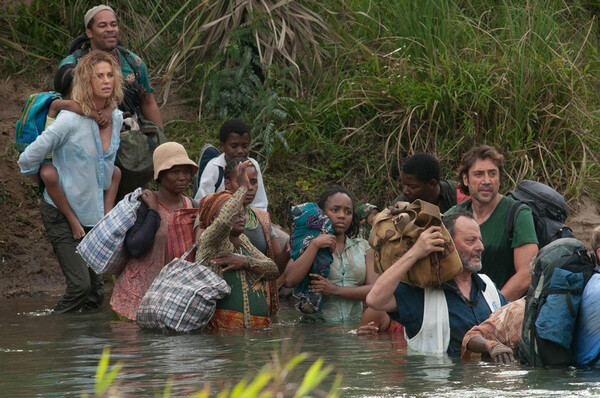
pixel 104 34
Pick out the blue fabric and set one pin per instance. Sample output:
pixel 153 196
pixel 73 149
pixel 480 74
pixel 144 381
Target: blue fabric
pixel 410 302
pixel 309 222
pixel 588 331
pixel 84 171
pixel 555 321
pixel 33 121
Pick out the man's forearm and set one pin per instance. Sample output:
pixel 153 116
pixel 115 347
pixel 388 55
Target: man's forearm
pixel 380 296
pixel 150 110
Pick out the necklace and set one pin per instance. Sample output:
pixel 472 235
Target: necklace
pixel 252 222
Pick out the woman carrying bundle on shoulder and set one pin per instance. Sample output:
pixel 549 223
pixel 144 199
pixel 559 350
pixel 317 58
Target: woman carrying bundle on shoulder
pixel 225 248
pixel 333 271
pixel 163 230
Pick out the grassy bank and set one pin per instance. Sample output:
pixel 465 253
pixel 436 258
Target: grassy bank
pixel 350 95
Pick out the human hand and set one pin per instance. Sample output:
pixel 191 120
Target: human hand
pixel 231 261
pixel 102 117
pixel 431 240
pixel 320 284
pixel 324 240
pixel 240 174
pixel 367 330
pixel 500 353
pixel 150 199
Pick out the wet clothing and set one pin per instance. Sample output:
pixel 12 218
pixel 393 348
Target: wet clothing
pixel 249 289
pixel 449 196
pixel 174 236
pixel 497 257
pixel 349 270
pixel 463 314
pixel 84 170
pixel 588 327
pixel 84 286
pixel 504 325
pixel 210 175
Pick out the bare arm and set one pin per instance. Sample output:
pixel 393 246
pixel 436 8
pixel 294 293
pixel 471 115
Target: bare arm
pixel 500 353
pixel 297 269
pixel 150 110
pixel 323 285
pixel 518 284
pixel 381 297
pixel 67 105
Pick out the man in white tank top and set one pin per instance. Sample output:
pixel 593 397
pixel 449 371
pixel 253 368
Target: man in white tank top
pixel 436 319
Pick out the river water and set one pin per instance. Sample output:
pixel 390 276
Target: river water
pixel 45 355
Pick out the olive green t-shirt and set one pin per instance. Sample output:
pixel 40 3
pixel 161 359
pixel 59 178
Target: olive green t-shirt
pixel 497 258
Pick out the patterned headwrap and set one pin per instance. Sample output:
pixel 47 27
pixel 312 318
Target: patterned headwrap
pixel 363 212
pixel 209 206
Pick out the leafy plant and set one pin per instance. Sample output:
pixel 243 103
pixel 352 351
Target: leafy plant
pixel 272 380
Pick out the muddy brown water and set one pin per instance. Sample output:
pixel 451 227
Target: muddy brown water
pixel 45 355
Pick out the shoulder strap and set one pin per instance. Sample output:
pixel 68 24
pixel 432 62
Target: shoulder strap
pixel 127 55
pixel 490 293
pixel 511 219
pixel 220 178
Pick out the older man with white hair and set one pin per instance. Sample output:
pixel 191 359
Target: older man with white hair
pixel 436 319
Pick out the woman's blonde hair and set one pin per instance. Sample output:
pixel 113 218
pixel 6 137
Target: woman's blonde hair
pixel 84 73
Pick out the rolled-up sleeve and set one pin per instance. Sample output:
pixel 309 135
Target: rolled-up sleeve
pixel 53 136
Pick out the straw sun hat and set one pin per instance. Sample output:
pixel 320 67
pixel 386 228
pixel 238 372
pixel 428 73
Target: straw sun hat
pixel 171 154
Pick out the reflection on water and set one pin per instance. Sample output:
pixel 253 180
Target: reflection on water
pixel 50 355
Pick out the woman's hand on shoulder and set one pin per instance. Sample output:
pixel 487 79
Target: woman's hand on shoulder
pixel 150 199
pixel 231 261
pixel 323 241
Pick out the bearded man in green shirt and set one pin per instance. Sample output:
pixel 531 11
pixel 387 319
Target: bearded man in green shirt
pixel 506 262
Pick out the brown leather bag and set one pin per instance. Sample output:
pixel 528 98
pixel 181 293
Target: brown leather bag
pixel 398 227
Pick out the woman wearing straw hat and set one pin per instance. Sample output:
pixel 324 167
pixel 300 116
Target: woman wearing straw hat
pixel 163 229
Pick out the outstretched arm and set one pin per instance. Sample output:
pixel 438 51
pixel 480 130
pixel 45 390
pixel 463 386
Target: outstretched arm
pixel 381 297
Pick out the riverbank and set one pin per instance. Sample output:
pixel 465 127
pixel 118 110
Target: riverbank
pixel 28 265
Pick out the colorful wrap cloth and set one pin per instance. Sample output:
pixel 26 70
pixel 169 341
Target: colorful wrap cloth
pixel 363 212
pixel 309 222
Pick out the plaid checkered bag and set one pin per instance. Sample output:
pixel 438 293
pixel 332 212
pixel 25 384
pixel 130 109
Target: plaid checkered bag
pixel 182 298
pixel 103 248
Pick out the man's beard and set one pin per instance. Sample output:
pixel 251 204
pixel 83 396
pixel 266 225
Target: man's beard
pixel 468 266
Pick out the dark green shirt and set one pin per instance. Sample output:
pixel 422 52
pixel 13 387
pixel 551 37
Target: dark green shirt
pixel 497 259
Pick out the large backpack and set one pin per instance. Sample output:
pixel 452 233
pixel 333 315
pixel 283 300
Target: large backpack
pixel 32 122
pixel 549 210
pixel 560 272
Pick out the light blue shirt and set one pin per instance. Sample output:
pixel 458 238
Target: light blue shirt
pixel 588 329
pixel 84 171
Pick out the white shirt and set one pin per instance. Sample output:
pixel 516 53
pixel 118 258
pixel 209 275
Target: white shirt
pixel 210 175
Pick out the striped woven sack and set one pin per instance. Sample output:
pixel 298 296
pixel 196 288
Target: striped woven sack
pixel 182 298
pixel 103 248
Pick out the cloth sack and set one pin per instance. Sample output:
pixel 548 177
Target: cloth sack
pixel 183 296
pixel 398 227
pixel 103 248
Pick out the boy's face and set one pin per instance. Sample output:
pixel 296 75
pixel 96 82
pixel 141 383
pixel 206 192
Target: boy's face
pixel 236 146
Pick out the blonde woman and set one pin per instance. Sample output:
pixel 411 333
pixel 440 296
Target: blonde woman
pixel 84 157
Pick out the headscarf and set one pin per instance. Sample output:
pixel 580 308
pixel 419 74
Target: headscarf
pixel 363 212
pixel 209 206
pixel 309 222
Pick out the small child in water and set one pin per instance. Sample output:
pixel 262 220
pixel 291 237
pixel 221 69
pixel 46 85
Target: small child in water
pixel 48 174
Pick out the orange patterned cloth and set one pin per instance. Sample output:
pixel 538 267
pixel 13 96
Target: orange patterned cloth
pixel 171 240
pixel 504 325
pixel 225 319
